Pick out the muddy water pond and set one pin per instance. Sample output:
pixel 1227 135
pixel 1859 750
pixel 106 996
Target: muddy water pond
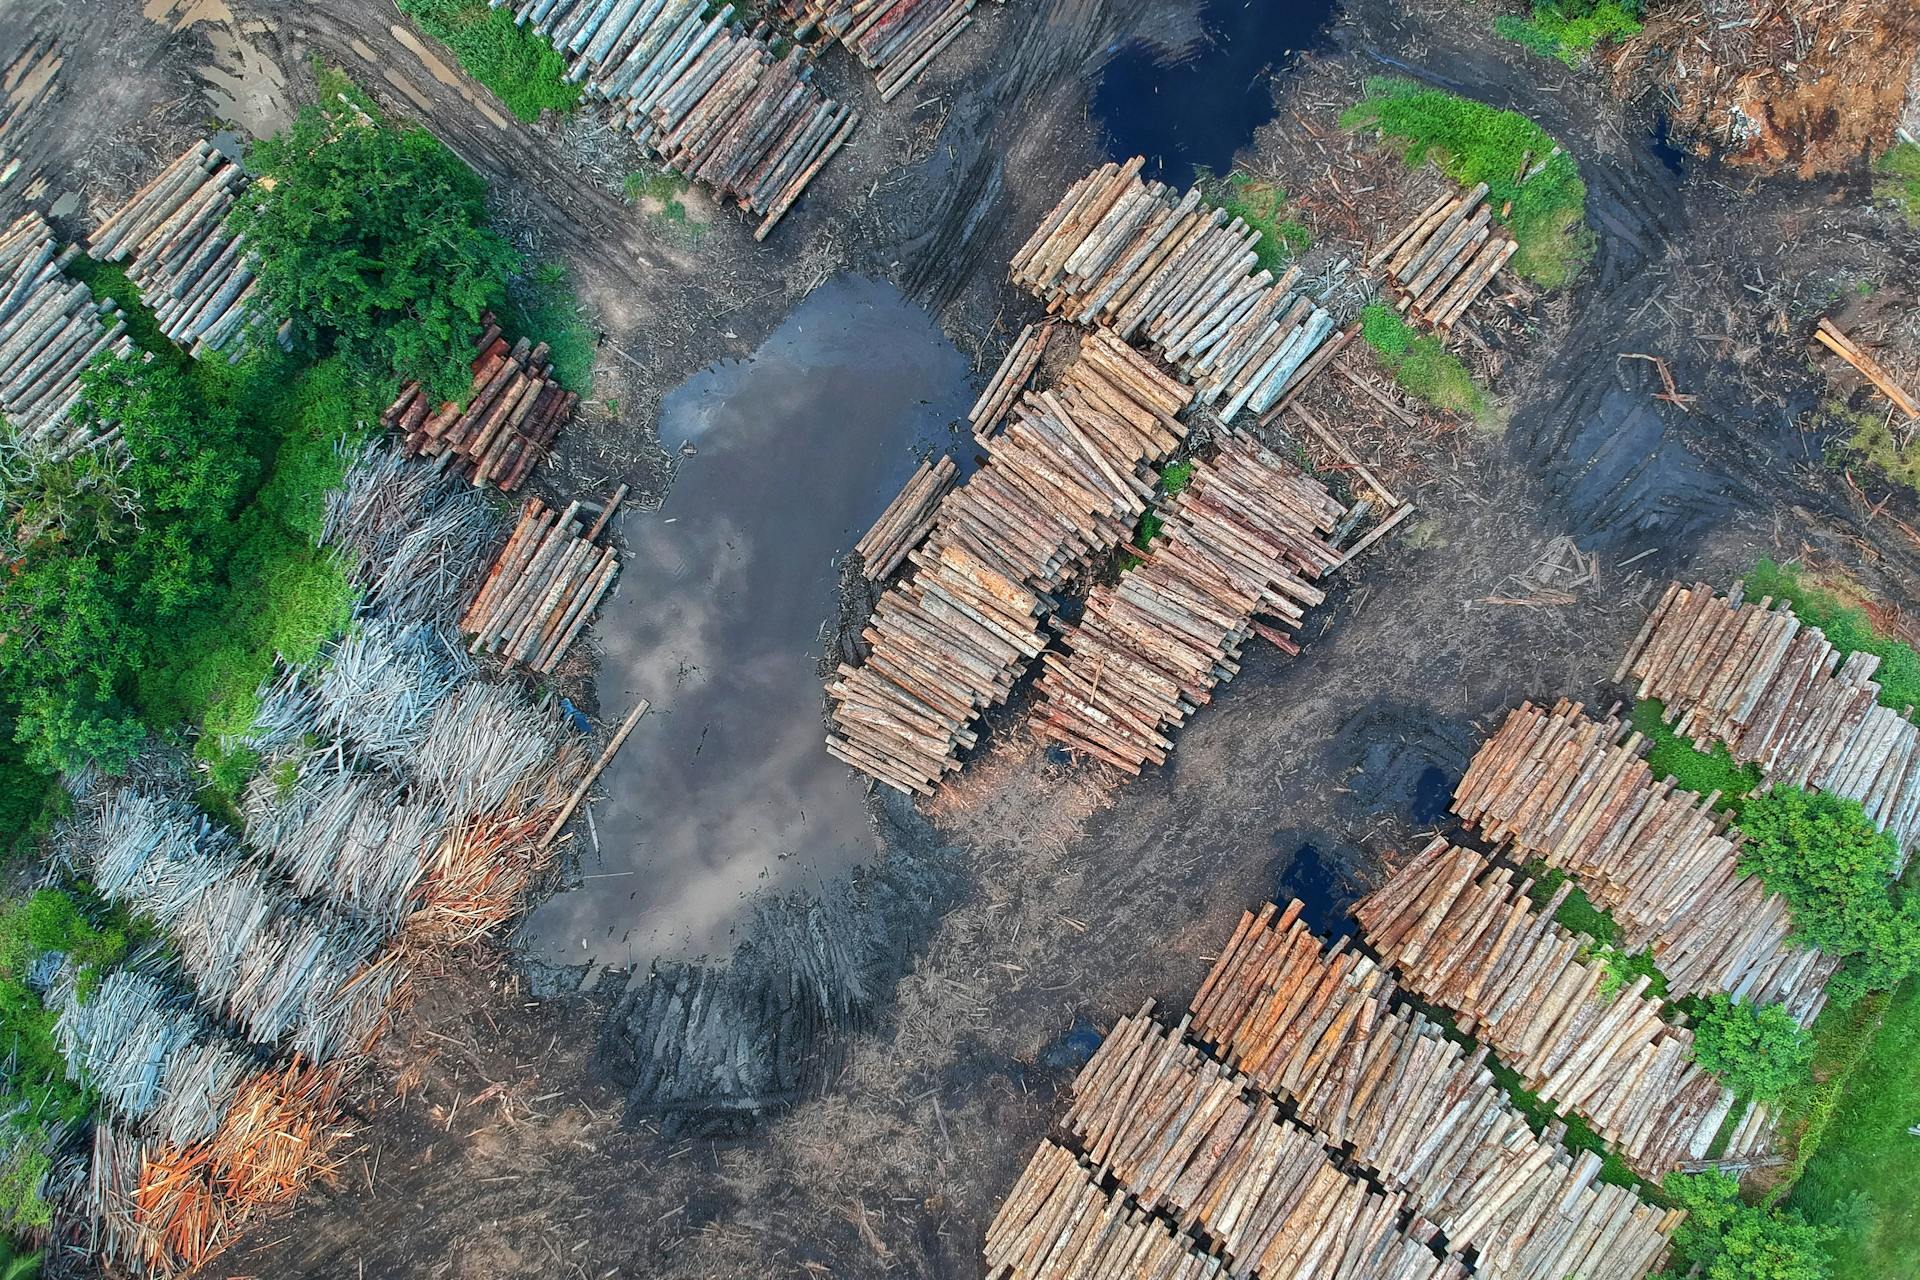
pixel 726 788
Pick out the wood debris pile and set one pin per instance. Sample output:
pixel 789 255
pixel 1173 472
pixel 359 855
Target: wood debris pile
pixel 1445 258
pixel 1779 695
pixel 515 410
pixel 907 520
pixel 1461 933
pixel 1065 482
pixel 895 39
pixel 544 585
pixel 51 329
pixel 1242 539
pixel 1829 336
pixel 706 95
pixel 1569 791
pixel 1177 273
pixel 410 537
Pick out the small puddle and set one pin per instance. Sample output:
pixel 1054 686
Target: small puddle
pixel 1432 796
pixel 1324 883
pixel 726 787
pixel 1670 153
pixel 1194 109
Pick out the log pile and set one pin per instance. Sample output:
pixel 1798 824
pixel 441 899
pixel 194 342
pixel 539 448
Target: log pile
pixel 1057 1224
pixel 541 589
pixel 516 409
pixel 1445 258
pixel 1461 933
pixel 411 536
pixel 1009 380
pixel 1243 539
pixel 172 235
pixel 1417 1110
pixel 1064 483
pixel 1779 695
pixel 895 39
pixel 1570 791
pixel 1175 272
pixel 706 95
pixel 51 329
pixel 907 520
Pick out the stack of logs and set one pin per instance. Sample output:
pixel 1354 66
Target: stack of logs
pixel 1057 1224
pixel 1445 258
pixel 1461 933
pixel 1009 380
pixel 711 99
pixel 1567 790
pixel 542 588
pixel 515 410
pixel 1130 255
pixel 1243 538
pixel 191 270
pixel 895 39
pixel 51 329
pixel 907 520
pixel 1064 483
pixel 1778 694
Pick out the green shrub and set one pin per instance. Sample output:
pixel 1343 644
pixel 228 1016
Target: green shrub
pixel 1173 479
pixel 516 62
pixel 541 306
pixel 1899 180
pixel 1420 363
pixel 1570 29
pixel 1846 627
pixel 1727 1239
pixel 1758 1051
pixel 1472 142
pixel 1701 772
pixel 1262 206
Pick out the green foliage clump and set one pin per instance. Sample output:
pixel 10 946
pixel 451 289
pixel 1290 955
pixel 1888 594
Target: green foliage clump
pixel 17 1261
pixel 1262 206
pixel 516 62
pixel 1899 179
pixel 1724 1238
pixel 1701 772
pixel 1570 29
pixel 1541 201
pixel 1420 363
pixel 373 240
pixel 1173 479
pixel 1581 914
pixel 541 306
pixel 1757 1050
pixel 110 280
pixel 1846 627
pixel 1823 855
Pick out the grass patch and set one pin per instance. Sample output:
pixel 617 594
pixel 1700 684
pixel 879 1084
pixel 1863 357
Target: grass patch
pixel 1262 206
pixel 1173 480
pixel 1875 441
pixel 541 306
pixel 1702 772
pixel 519 64
pixel 660 187
pixel 1420 364
pixel 1582 914
pixel 1898 180
pixel 1569 30
pixel 1541 201
pixel 1846 627
pixel 110 280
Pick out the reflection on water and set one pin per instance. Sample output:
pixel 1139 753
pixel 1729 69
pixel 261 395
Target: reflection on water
pixel 726 788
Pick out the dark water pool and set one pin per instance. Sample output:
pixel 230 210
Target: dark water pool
pixel 726 788
pixel 1323 880
pixel 1669 152
pixel 1432 796
pixel 1194 108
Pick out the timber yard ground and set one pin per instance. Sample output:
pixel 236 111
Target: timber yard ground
pixel 1033 899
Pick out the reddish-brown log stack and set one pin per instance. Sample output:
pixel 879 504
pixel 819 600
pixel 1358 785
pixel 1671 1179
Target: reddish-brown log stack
pixel 542 588
pixel 907 520
pixel 515 410
pixel 1445 258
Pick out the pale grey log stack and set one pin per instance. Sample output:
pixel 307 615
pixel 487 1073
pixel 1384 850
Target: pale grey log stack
pixel 895 39
pixel 1445 258
pixel 51 329
pixel 703 93
pixel 1178 274
pixel 1064 483
pixel 1576 794
pixel 1009 380
pixel 515 409
pixel 1461 933
pixel 1779 695
pixel 907 520
pixel 1243 539
pixel 542 589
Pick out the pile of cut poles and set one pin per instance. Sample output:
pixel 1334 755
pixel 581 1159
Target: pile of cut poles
pixel 907 520
pixel 1461 933
pixel 543 586
pixel 895 39
pixel 1009 380
pixel 1779 695
pixel 1445 258
pixel 1065 482
pixel 411 536
pixel 190 269
pixel 509 422
pixel 1058 1224
pixel 1830 337
pixel 1177 273
pixel 707 96
pixel 51 329
pixel 1567 790
pixel 1242 539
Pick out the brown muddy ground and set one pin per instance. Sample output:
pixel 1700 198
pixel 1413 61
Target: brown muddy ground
pixel 492 1150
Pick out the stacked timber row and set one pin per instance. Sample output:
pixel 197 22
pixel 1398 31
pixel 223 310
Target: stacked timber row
pixel 515 410
pixel 1178 274
pixel 1009 380
pixel 542 588
pixel 707 96
pixel 1569 791
pixel 51 328
pixel 173 237
pixel 1317 1029
pixel 907 520
pixel 1242 539
pixel 1064 483
pixel 1779 695
pixel 1058 1224
pixel 1461 933
pixel 1445 258
pixel 895 39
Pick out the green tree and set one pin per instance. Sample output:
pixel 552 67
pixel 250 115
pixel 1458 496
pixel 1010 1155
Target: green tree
pixel 1728 1239
pixel 1757 1050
